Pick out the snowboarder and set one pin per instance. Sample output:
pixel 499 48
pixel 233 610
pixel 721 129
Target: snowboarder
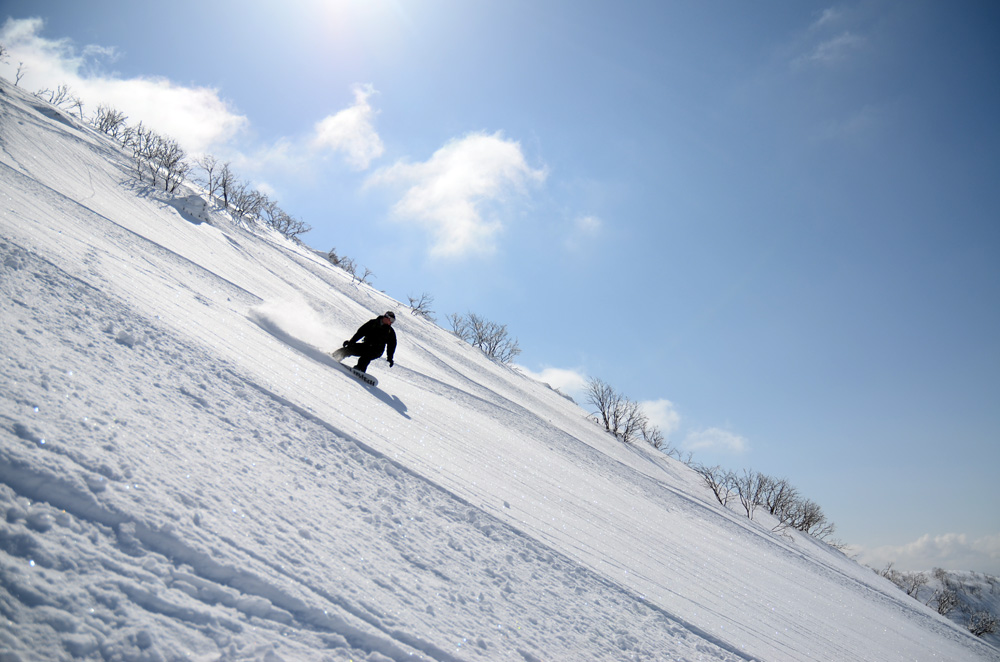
pixel 378 336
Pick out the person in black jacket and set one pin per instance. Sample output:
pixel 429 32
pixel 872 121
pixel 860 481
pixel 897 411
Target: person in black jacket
pixel 376 336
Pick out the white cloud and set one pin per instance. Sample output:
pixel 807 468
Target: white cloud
pixel 109 53
pixel 663 414
pixel 951 551
pixel 717 440
pixel 833 50
pixel 450 193
pixel 827 17
pixel 585 229
pixel 351 131
pixel 571 382
pixel 589 225
pixel 194 116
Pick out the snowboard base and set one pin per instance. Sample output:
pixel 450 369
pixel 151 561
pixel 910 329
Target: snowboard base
pixel 363 376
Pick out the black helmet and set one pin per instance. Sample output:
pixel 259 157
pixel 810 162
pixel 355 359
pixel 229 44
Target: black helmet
pixel 390 314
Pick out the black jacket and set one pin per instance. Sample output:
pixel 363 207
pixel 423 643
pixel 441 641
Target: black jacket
pixel 377 337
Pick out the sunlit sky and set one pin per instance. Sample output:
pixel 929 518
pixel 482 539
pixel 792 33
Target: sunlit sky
pixel 773 224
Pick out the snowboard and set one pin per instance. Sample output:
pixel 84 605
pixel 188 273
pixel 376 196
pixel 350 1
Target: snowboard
pixel 363 376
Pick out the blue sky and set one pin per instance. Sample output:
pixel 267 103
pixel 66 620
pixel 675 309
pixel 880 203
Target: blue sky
pixel 773 223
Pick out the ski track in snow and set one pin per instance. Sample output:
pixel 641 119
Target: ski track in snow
pixel 185 474
pixel 148 566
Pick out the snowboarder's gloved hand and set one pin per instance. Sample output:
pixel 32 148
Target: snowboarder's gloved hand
pixel 346 343
pixel 391 362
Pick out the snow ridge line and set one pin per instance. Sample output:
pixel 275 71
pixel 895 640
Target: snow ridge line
pixel 652 606
pixel 74 209
pixel 695 630
pixel 310 352
pixel 627 475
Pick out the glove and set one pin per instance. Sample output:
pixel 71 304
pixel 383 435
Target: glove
pixel 346 343
pixel 391 362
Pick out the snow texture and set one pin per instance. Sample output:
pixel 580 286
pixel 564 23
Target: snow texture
pixel 187 475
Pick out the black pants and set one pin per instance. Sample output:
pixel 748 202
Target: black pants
pixel 365 354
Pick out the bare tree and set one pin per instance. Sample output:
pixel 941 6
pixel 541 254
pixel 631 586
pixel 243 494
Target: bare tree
pixel 272 215
pixel 171 163
pixel 604 399
pixel 750 486
pixel 145 142
pixel 630 420
pixel 651 435
pixel 458 326
pixel 421 306
pixel 110 121
pixel 348 265
pixel 208 165
pixel 363 278
pixel 490 337
pixel 296 227
pixel 246 202
pixel 719 480
pixel 888 572
pixel 982 623
pixel 227 182
pixel 806 516
pixel 909 582
pixel 946 600
pixel 55 97
pixel 145 145
pixel 779 497
pixel 5 57
pixel 77 104
pixel 913 582
pixel 62 97
pixel 277 218
pixel 620 416
pixel 126 137
pixel 792 511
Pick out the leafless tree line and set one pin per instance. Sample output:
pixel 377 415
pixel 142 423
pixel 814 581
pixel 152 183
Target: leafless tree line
pixel 909 582
pixel 421 306
pixel 982 623
pixel 162 162
pixel 753 490
pixel 949 597
pixel 359 274
pixel 5 57
pixel 952 595
pixel 157 158
pixel 625 418
pixel 492 338
pixel 61 97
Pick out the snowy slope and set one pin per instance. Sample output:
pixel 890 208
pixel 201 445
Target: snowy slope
pixel 187 476
pixel 962 596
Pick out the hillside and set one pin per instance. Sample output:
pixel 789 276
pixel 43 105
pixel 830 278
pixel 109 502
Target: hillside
pixel 186 475
pixel 964 597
